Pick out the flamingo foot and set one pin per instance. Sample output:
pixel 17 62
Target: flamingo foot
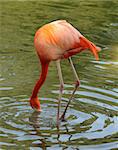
pixel 62 118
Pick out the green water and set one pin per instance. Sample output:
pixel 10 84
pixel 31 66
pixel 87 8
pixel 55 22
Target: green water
pixel 92 121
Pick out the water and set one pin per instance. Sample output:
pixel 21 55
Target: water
pixel 92 121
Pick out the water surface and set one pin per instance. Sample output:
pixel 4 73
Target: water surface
pixel 92 121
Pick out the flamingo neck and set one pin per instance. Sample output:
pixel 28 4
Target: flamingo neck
pixel 41 80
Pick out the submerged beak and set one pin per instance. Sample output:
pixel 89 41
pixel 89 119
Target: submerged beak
pixel 85 43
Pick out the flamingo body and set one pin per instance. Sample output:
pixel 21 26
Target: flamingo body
pixel 55 41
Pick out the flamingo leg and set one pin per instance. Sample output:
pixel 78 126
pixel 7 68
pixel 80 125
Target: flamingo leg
pixel 76 86
pixel 60 90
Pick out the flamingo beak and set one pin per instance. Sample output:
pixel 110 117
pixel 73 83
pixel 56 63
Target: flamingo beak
pixel 35 104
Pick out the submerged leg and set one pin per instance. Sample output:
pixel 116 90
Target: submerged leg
pixel 60 90
pixel 76 86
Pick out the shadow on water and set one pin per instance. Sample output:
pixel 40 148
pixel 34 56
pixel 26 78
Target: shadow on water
pixel 92 117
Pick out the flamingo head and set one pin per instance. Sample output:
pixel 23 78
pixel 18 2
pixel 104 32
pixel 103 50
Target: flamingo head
pixel 35 104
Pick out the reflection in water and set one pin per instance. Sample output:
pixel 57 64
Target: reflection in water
pixel 35 122
pixel 92 117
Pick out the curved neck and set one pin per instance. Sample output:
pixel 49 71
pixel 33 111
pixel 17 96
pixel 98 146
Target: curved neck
pixel 41 80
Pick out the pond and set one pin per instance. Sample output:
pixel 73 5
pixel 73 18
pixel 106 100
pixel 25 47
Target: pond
pixel 92 118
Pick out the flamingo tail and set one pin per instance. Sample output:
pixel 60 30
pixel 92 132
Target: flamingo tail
pixel 88 44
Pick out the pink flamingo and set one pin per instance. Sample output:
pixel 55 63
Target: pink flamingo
pixel 53 42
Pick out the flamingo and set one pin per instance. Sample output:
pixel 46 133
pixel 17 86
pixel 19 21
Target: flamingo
pixel 56 41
